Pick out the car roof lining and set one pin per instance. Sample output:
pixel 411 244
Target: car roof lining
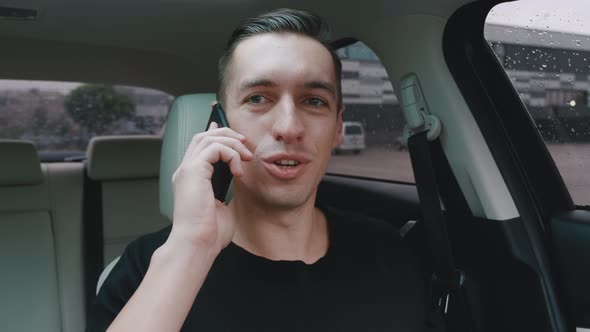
pixel 173 48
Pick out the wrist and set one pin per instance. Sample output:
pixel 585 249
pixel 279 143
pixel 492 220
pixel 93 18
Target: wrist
pixel 199 236
pixel 185 250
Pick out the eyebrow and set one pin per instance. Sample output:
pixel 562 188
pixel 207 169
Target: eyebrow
pixel 321 85
pixel 262 82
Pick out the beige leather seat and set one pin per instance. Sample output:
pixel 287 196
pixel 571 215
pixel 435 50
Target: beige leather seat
pixel 188 116
pixel 40 242
pixel 127 168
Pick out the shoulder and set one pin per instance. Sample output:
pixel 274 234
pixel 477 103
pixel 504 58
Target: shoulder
pixel 136 257
pixel 124 279
pixel 143 247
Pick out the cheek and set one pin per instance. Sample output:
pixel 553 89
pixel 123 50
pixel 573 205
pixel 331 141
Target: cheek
pixel 254 136
pixel 246 124
pixel 325 134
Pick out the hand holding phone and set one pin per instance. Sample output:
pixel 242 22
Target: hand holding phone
pixel 222 176
pixel 199 215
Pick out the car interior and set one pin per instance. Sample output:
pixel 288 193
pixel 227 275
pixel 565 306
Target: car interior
pixel 519 240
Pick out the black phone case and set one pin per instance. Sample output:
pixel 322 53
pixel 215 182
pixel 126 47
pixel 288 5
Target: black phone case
pixel 222 177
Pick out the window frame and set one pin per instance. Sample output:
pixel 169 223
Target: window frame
pixel 516 145
pixel 518 149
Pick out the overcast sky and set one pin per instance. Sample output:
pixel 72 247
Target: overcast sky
pixel 559 15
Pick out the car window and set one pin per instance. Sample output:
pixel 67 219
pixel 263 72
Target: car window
pixel 61 117
pixel 544 47
pixel 353 130
pixel 373 121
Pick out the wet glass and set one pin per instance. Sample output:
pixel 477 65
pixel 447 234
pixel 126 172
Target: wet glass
pixel 544 47
pixel 376 150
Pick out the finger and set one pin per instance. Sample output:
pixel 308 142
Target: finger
pixel 239 147
pixel 213 125
pixel 217 151
pixel 245 153
pixel 226 131
pixel 212 131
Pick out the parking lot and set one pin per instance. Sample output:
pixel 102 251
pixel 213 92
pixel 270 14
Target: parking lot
pixel 571 159
pixel 375 163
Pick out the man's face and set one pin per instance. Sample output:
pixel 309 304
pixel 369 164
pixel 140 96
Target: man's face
pixel 281 94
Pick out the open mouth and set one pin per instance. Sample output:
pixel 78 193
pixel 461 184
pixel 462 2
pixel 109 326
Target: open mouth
pixel 286 166
pixel 287 163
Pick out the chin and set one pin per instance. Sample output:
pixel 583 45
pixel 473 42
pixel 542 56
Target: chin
pixel 276 197
pixel 272 194
pixel 284 198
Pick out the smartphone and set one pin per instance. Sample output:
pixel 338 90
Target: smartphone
pixel 222 177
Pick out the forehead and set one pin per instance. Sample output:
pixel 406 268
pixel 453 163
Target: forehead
pixel 282 58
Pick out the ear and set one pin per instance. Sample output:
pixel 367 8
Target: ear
pixel 338 138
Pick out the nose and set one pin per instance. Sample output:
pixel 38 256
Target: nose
pixel 287 125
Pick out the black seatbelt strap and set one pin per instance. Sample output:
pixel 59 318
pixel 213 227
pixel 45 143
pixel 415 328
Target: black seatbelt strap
pixel 92 225
pixel 450 192
pixel 449 309
pixel 447 281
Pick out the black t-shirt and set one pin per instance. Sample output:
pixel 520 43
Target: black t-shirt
pixel 368 281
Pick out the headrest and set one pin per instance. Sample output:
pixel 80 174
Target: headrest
pixel 20 164
pixel 124 157
pixel 188 116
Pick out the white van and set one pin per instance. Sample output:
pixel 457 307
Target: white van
pixel 353 137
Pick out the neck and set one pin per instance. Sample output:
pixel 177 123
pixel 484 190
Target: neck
pixel 297 234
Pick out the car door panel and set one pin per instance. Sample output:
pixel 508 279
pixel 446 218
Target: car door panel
pixel 571 249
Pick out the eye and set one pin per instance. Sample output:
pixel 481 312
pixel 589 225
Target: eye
pixel 255 99
pixel 315 102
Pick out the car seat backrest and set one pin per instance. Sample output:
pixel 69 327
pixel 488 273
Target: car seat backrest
pixel 105 273
pixel 127 168
pixel 23 167
pixel 188 116
pixel 40 242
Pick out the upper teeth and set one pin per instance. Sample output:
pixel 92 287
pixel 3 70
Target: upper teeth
pixel 287 162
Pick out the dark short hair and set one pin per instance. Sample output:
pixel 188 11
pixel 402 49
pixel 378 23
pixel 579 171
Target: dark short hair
pixel 280 21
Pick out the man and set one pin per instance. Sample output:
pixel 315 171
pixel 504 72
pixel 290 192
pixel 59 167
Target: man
pixel 269 260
